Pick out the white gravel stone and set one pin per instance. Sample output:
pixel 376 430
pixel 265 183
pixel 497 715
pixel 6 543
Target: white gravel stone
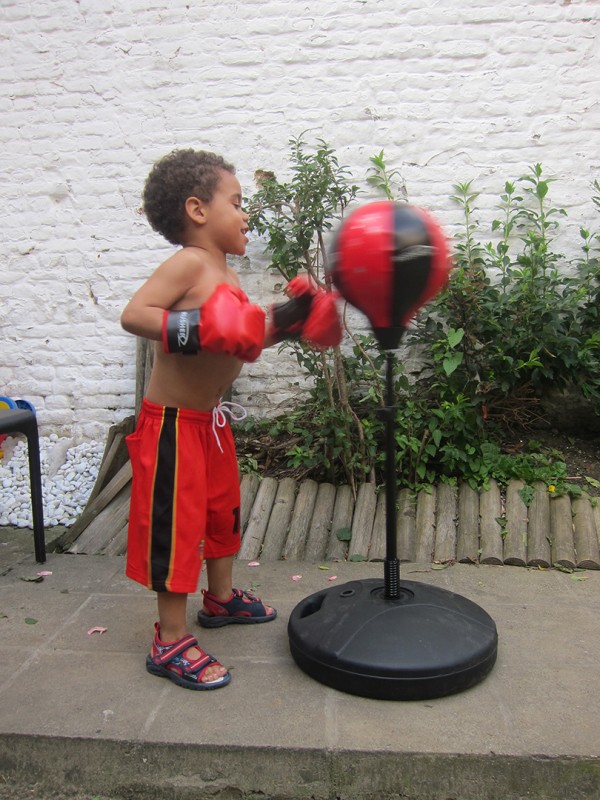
pixel 68 476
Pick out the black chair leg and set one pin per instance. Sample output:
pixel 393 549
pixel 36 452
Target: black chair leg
pixel 37 507
pixel 18 420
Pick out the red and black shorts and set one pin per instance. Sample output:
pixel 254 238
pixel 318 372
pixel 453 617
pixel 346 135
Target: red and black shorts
pixel 185 497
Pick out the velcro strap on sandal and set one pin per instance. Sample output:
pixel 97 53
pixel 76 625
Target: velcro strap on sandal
pixel 175 650
pixel 200 663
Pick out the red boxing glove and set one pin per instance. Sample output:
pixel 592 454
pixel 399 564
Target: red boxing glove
pixel 226 323
pixel 322 329
pixel 310 315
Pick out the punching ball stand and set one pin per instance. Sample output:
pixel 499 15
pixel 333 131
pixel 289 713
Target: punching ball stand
pixel 391 572
pixel 392 639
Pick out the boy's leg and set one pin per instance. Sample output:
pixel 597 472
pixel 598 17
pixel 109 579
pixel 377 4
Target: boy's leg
pixel 219 573
pixel 223 604
pixel 172 620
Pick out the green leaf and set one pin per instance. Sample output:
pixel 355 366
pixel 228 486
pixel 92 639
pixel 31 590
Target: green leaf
pixel 30 621
pixel 452 362
pixel 344 534
pixel 455 337
pixel 593 482
pixel 562 568
pixel 357 557
pixel 526 494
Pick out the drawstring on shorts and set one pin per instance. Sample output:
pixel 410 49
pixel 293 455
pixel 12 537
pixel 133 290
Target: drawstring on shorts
pixel 219 420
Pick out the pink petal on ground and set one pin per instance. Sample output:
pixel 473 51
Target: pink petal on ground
pixel 332 578
pixel 43 574
pixel 296 577
pixel 254 563
pixel 97 629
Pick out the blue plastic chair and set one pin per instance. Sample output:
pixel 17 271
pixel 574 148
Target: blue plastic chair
pixel 21 420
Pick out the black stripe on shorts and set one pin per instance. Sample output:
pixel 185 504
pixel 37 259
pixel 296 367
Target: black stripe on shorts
pixel 163 500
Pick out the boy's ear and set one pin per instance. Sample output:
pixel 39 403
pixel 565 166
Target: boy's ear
pixel 196 210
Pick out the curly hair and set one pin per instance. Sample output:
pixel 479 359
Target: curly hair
pixel 174 178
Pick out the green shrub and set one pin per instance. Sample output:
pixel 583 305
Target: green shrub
pixel 515 320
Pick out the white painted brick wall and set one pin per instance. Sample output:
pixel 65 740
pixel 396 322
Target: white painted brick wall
pixel 95 90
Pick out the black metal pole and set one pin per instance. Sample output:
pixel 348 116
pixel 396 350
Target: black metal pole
pixel 391 563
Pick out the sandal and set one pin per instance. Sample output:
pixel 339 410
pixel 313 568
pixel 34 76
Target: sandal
pixel 169 661
pixel 242 608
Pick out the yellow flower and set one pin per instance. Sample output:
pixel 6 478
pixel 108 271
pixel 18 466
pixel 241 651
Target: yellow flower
pixel 552 488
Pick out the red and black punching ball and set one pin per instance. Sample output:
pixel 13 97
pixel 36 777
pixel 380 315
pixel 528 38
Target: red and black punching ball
pixel 388 259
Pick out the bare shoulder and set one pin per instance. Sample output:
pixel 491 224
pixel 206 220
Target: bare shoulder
pixel 185 263
pixel 196 274
pixel 191 274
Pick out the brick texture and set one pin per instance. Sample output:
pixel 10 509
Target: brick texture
pixel 94 92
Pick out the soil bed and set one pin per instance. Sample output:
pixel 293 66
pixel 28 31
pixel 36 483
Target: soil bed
pixel 581 455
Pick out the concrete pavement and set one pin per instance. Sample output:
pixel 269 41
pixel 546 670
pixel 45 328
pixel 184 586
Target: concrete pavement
pixel 78 710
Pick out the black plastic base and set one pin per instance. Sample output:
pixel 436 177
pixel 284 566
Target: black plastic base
pixel 428 642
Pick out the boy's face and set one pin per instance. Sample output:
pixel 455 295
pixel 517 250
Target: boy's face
pixel 226 220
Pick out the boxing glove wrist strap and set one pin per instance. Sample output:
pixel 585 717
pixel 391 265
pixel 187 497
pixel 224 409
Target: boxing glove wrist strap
pixel 180 331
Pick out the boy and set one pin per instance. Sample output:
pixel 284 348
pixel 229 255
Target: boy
pixel 185 492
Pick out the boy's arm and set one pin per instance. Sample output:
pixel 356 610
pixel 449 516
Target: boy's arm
pixel 310 315
pixel 143 314
pixel 221 320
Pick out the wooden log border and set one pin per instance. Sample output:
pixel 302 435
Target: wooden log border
pixel 287 519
